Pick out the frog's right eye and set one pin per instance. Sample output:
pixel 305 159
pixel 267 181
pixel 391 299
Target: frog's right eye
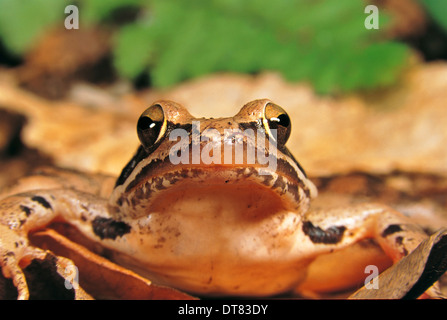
pixel 151 126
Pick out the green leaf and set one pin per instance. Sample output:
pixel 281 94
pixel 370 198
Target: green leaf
pixel 24 21
pixel 97 10
pixel 438 10
pixel 323 42
pixel 133 49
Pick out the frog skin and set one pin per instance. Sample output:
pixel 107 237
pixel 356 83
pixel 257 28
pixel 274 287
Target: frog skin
pixel 228 228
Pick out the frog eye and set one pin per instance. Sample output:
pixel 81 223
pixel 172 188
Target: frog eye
pixel 276 118
pixel 151 126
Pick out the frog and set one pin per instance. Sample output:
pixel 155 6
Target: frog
pixel 187 213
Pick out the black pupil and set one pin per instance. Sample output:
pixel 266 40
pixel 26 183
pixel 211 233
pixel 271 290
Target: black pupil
pixel 282 120
pixel 148 130
pixel 146 123
pixel 281 123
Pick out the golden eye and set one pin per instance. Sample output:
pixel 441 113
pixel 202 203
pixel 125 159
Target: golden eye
pixel 151 126
pixel 275 118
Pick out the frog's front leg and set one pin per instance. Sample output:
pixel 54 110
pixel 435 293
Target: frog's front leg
pixel 22 213
pixel 346 240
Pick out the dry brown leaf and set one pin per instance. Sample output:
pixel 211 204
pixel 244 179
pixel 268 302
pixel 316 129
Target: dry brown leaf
pixel 51 66
pixel 413 275
pixel 101 278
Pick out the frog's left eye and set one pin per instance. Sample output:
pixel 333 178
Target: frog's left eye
pixel 276 118
pixel 151 126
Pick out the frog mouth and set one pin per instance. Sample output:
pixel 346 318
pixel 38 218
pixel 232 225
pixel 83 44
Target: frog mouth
pixel 245 188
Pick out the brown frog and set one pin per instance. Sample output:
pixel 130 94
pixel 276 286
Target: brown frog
pixel 211 207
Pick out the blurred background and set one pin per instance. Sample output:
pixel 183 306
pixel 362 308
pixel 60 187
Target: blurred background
pixel 365 88
pixel 155 43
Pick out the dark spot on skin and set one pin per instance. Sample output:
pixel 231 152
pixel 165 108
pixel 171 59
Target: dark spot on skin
pixel 26 210
pixel 368 243
pixel 267 180
pixel 107 228
pixel 121 200
pixel 40 200
pixel 139 194
pixel 159 184
pixel 279 183
pixel 134 201
pixel 331 235
pixel 392 228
